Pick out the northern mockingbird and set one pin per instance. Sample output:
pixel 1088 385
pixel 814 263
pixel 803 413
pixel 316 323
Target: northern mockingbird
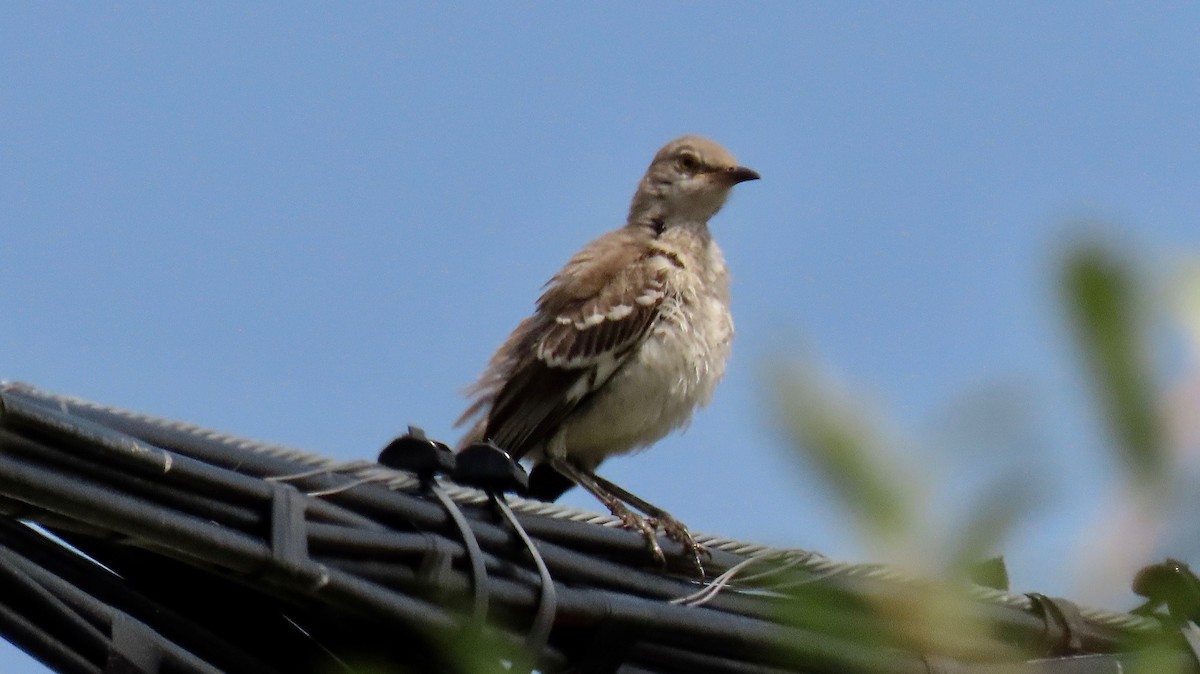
pixel 627 340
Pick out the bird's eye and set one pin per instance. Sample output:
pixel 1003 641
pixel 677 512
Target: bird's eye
pixel 688 162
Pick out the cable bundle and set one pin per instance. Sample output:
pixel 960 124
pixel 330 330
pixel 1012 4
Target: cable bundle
pixel 157 546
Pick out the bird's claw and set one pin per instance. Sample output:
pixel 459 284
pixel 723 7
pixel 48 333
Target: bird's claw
pixel 649 531
pixel 676 531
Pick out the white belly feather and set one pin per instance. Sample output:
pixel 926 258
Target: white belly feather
pixel 675 370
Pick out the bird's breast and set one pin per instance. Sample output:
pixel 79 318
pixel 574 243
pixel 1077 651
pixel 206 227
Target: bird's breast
pixel 673 371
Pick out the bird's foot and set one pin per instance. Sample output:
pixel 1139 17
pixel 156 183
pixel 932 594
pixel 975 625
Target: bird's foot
pixel 621 503
pixel 676 531
pixel 646 526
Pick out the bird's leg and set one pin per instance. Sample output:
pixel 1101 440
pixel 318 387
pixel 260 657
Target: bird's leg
pixel 631 520
pixel 672 527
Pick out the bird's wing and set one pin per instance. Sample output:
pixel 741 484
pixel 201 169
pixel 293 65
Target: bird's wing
pixel 591 319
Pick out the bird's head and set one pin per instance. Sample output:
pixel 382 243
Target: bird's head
pixel 688 181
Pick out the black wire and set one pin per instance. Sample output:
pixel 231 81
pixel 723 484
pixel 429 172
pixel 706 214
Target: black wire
pixel 182 498
pixel 659 658
pixel 46 644
pixel 20 589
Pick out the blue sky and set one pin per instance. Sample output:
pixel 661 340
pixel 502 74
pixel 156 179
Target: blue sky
pixel 312 223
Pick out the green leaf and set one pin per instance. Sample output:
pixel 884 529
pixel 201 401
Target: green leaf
pixel 838 439
pixel 1106 311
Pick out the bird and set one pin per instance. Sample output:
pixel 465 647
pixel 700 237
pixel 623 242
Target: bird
pixel 626 341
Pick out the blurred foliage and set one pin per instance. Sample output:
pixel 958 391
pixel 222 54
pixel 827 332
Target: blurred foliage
pixel 997 511
pixel 887 494
pixel 1106 306
pixel 844 445
pixel 838 438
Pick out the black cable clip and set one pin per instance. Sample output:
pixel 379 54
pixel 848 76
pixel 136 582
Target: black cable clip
pixel 1064 625
pixel 485 466
pixel 416 453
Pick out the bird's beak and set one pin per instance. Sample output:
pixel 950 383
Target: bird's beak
pixel 739 174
